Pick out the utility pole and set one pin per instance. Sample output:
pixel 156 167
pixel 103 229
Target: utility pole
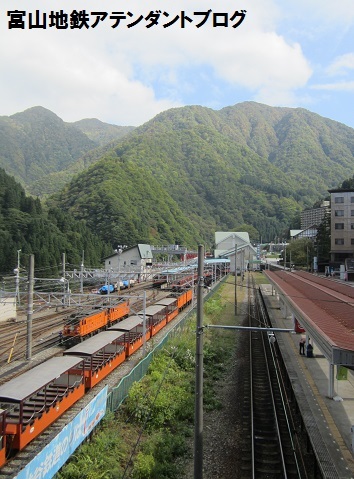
pixel 108 285
pixel 198 426
pixel 82 274
pixel 236 280
pixel 63 274
pixel 119 252
pixel 30 307
pixel 144 323
pixel 17 271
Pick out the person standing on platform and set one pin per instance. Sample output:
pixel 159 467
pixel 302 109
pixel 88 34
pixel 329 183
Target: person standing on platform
pixel 302 346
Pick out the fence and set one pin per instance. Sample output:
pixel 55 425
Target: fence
pixel 120 392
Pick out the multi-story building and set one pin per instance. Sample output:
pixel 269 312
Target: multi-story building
pixel 312 217
pixel 342 225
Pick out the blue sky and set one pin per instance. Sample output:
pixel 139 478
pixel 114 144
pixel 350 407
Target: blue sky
pixel 285 53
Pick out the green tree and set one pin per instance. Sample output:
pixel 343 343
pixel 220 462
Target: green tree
pixel 323 240
pixel 300 252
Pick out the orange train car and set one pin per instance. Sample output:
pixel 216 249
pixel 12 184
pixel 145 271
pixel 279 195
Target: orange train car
pixel 156 317
pixel 171 305
pixel 101 354
pixel 133 333
pixel 80 327
pixel 184 299
pixel 38 397
pixel 2 438
pixel 118 312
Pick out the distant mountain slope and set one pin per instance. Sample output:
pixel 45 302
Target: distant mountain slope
pixel 296 140
pixel 249 163
pixel 36 144
pixel 186 173
pixel 101 133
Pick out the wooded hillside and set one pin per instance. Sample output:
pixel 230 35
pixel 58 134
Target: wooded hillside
pixel 243 165
pixel 188 172
pixel 26 226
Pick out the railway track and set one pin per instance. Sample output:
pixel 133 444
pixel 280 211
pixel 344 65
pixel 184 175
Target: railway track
pixel 46 328
pixel 270 446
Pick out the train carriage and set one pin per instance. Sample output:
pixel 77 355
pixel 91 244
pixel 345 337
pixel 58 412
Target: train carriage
pixel 186 281
pixel 38 397
pixel 2 438
pixel 156 317
pixel 171 305
pixel 184 299
pixel 118 312
pixel 133 329
pixel 101 353
pixel 79 327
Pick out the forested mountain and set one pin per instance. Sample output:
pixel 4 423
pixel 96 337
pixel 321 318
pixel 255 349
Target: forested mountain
pixel 247 164
pixel 42 151
pixel 124 204
pixel 26 226
pixel 186 173
pixel 101 133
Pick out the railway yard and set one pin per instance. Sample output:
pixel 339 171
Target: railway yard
pixel 20 371
pixel 264 414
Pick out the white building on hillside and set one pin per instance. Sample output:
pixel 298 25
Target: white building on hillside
pixel 135 261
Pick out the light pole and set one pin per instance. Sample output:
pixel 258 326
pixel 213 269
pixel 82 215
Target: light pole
pixel 17 272
pixel 236 280
pixel 66 290
pixel 82 274
pixel 119 252
pixel 198 411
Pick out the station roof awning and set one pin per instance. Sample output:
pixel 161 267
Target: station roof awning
pixel 327 319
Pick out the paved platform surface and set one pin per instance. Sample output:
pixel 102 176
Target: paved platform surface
pixel 329 421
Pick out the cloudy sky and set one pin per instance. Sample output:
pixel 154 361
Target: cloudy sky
pixel 294 53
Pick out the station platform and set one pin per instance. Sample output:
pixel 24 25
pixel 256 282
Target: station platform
pixel 329 422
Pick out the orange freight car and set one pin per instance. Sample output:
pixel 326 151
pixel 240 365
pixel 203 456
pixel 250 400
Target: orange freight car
pixel 80 327
pixel 2 438
pixel 184 299
pixel 118 312
pixel 38 397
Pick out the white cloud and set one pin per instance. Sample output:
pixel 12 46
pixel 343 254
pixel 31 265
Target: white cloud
pixel 119 75
pixel 341 64
pixel 339 86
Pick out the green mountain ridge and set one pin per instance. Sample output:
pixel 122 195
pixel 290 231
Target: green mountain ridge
pixel 101 133
pixel 43 152
pixel 191 171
